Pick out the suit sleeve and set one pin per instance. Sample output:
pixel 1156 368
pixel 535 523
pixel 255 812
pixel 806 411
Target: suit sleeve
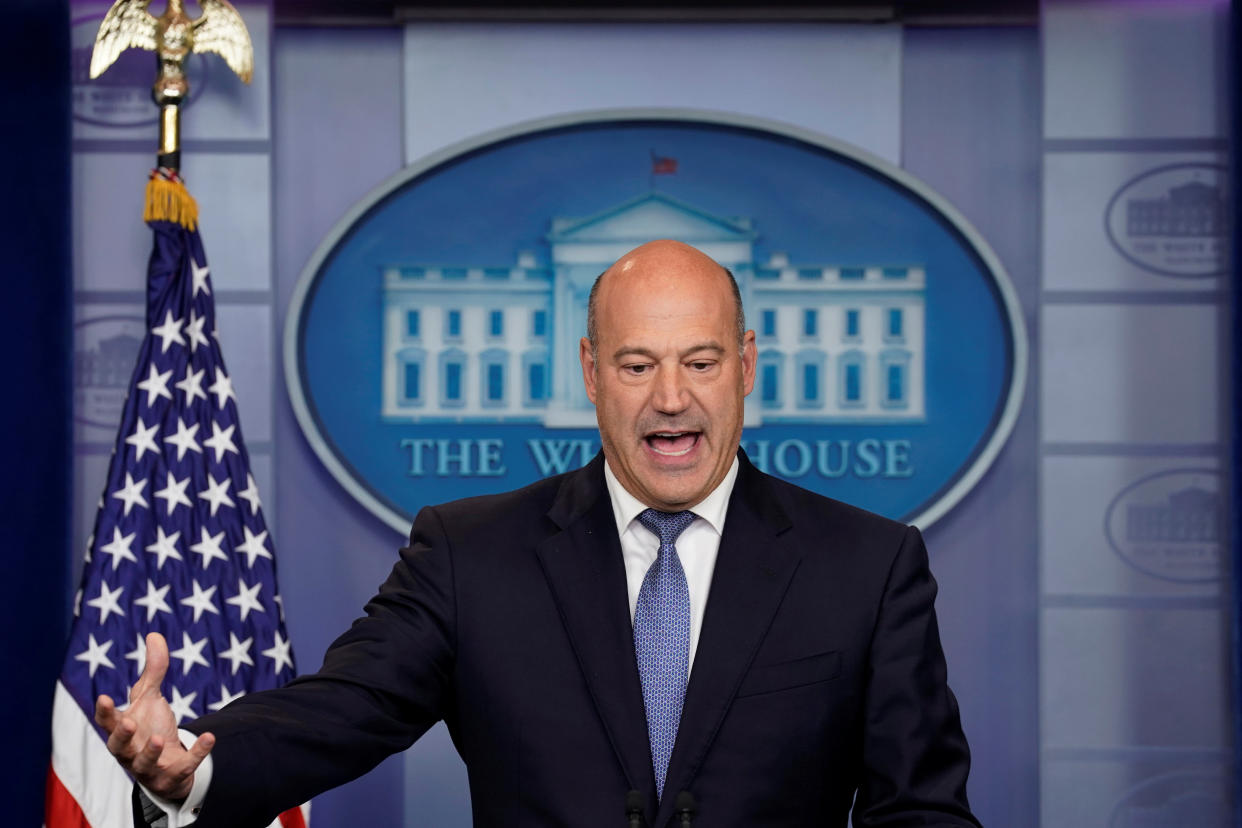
pixel 915 757
pixel 382 685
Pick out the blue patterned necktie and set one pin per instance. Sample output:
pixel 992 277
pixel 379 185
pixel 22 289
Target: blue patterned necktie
pixel 662 637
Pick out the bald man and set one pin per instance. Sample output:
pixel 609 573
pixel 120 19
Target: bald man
pixel 665 633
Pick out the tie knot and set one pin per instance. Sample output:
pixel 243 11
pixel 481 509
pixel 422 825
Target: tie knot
pixel 667 525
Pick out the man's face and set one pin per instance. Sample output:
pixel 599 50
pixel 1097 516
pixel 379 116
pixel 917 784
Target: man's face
pixel 667 379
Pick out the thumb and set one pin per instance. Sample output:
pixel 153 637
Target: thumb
pixel 156 667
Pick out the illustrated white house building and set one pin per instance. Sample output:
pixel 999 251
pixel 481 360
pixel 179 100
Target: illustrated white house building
pixel 837 341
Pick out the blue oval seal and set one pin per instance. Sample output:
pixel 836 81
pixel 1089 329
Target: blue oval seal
pixel 1172 220
pixel 1170 525
pixel 431 341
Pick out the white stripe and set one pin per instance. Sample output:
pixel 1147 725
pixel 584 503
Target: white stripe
pixel 85 767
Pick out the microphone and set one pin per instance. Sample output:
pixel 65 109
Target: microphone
pixel 634 809
pixel 683 809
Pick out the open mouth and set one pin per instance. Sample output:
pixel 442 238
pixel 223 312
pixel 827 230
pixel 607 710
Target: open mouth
pixel 673 443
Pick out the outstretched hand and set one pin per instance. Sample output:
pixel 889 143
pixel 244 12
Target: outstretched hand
pixel 143 737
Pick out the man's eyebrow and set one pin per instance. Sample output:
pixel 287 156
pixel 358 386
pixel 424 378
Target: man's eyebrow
pixel 711 345
pixel 637 350
pixel 632 350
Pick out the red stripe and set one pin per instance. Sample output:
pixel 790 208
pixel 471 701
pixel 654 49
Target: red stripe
pixel 60 809
pixel 291 818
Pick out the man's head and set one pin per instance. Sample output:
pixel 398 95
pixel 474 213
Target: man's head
pixel 667 364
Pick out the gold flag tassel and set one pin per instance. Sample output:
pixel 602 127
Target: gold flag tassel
pixel 169 200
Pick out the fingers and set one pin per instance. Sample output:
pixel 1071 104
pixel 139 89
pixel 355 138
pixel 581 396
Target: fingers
pixel 201 747
pixel 169 771
pixel 121 739
pixel 105 713
pixel 146 761
pixel 157 665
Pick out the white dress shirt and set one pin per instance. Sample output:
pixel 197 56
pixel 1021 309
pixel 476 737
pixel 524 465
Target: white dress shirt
pixel 696 547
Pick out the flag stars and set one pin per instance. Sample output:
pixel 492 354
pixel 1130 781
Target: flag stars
pixel 184 439
pixel 138 655
pixel 154 601
pixel 247 598
pixel 251 494
pixel 95 655
pixel 190 653
pixel 131 493
pixel 238 652
pixel 222 388
pixel 209 547
pixel 143 439
pixel 254 547
pixel 119 548
pixel 226 698
pixel 181 704
pixel 192 384
pixel 201 601
pixel 165 546
pixel 174 495
pixel 156 385
pixel 217 493
pixel 169 332
pixel 221 441
pixel 107 603
pixel 194 330
pixel 198 275
pixel 281 652
pixel 183 404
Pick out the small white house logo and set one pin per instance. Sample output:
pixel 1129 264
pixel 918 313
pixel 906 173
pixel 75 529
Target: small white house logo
pixel 1172 220
pixel 104 350
pixel 120 97
pixel 1189 798
pixel 1170 525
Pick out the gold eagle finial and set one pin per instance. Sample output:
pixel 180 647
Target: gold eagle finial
pixel 173 36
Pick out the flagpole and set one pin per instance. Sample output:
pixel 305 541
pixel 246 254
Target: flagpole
pixel 173 36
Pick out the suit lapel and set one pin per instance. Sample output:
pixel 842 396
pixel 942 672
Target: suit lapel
pixel 753 568
pixel 585 569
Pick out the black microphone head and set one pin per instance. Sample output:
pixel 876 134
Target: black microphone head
pixel 684 804
pixel 633 803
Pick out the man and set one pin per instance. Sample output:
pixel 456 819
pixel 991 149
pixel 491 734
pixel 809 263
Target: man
pixel 664 626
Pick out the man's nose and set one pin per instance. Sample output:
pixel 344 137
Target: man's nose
pixel 670 395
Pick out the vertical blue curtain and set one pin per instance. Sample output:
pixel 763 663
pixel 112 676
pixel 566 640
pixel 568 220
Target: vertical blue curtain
pixel 1235 400
pixel 35 352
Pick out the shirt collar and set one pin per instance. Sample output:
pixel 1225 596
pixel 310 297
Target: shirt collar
pixel 626 507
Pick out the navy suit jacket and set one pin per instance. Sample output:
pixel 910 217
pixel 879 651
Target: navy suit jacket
pixel 818 674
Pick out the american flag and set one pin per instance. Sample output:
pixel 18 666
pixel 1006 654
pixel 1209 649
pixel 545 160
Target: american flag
pixel 180 547
pixel 663 164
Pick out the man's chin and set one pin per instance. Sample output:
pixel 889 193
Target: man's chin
pixel 676 491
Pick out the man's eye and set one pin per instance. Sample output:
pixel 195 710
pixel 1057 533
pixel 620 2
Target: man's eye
pixel 635 369
pixel 701 365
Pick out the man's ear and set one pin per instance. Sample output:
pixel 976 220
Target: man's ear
pixel 588 367
pixel 750 354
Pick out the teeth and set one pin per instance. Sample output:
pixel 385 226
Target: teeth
pixel 670 435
